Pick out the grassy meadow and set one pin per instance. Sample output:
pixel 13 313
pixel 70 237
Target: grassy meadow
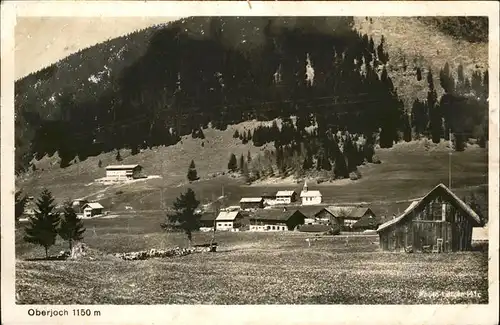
pixel 252 268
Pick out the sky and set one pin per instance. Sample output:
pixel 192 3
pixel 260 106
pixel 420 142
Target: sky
pixel 41 41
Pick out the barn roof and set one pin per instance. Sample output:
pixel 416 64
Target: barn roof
pixel 285 193
pixel 120 167
pixel 227 216
pixel 208 216
pixel 310 193
pixel 347 211
pixel 367 221
pixel 93 205
pixel 274 214
pixel 251 199
pixel 447 194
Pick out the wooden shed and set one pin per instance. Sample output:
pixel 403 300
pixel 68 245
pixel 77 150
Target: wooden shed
pixel 440 221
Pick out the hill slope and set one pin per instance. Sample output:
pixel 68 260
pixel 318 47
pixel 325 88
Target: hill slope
pixel 151 87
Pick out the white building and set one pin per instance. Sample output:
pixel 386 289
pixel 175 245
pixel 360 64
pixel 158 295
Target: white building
pixel 228 220
pixel 123 172
pixel 285 197
pixel 92 209
pixel 310 197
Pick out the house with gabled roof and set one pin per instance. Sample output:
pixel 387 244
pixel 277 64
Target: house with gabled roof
pixel 92 209
pixel 276 220
pixel 228 220
pixel 344 216
pixel 286 197
pixel 439 222
pixel 251 203
pixel 123 172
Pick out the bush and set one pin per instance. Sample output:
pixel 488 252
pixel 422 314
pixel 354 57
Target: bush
pixel 376 159
pixel 355 175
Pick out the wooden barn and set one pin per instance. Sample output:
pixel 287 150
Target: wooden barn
pixel 439 222
pixel 276 219
pixel 252 203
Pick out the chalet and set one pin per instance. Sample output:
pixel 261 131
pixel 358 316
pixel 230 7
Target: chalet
pixel 123 172
pixel 252 203
pixel 276 220
pixel 269 199
pixel 440 222
pixel 367 222
pixel 228 220
pixel 344 216
pixel 78 205
pixel 286 197
pixel 310 197
pixel 92 209
pixel 207 219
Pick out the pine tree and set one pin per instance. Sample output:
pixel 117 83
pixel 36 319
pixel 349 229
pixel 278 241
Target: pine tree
pixel 241 164
pixel 42 227
pixel 20 204
pixel 184 215
pixel 249 157
pixel 435 121
pixel 192 175
pixel 233 163
pixel 99 164
pixel 419 74
pixel 71 228
pixel 118 156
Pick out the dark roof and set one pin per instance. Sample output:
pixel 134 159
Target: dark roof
pixel 445 192
pixel 208 216
pixel 358 213
pixel 368 221
pixel 314 228
pixel 272 214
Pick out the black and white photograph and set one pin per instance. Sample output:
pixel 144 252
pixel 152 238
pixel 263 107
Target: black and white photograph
pixel 243 159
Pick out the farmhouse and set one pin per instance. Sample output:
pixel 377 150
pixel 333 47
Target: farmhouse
pixel 123 172
pixel 344 216
pixel 285 197
pixel 252 203
pixel 78 205
pixel 207 219
pixel 439 221
pixel 310 197
pixel 269 199
pixel 228 220
pixel 367 222
pixel 276 220
pixel 92 209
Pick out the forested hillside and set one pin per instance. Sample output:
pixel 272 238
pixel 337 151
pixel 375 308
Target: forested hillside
pixel 153 86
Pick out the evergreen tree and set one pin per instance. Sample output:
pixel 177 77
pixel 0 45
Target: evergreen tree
pixel 233 163
pixel 249 157
pixel 42 227
pixel 71 228
pixel 446 79
pixel 184 215
pixel 118 156
pixel 20 204
pixel 435 121
pixel 99 164
pixel 419 74
pixel 241 163
pixel 308 162
pixel 192 174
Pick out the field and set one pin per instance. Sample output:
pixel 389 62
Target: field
pixel 252 268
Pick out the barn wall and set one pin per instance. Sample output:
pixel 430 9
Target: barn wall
pixel 424 226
